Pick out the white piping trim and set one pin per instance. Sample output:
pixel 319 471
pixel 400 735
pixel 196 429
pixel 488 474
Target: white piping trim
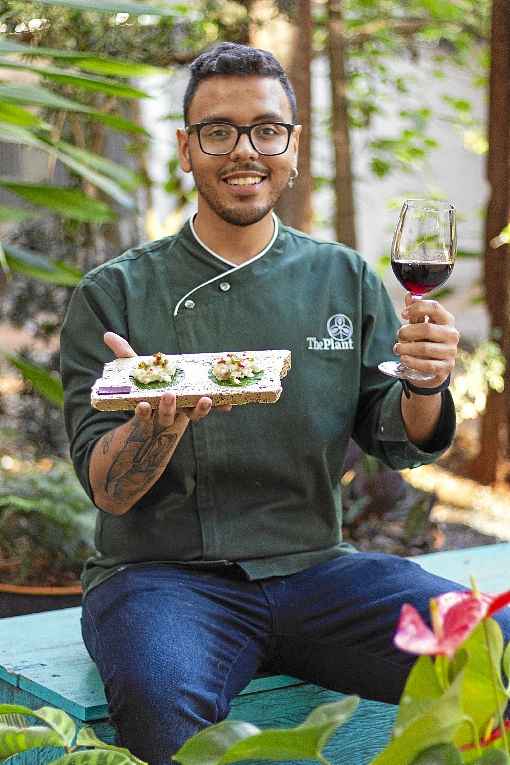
pixel 235 268
pixel 211 252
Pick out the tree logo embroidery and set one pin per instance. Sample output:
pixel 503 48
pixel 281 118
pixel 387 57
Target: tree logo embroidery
pixel 340 330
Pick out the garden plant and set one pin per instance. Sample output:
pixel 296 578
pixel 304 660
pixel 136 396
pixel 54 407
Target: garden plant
pixel 452 710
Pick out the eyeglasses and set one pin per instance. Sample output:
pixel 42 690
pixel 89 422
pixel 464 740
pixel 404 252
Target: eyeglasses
pixel 217 138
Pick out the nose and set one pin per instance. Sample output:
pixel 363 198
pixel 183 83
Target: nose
pixel 243 149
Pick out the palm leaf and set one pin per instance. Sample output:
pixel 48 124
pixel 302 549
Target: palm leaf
pixel 122 175
pixel 40 267
pixel 16 115
pixel 15 134
pixel 42 380
pixel 87 82
pixel 85 61
pixel 113 6
pixel 16 214
pixel 39 96
pixel 68 202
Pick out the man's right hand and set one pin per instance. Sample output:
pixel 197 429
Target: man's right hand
pixel 127 461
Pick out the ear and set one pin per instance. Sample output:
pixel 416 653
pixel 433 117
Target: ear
pixel 294 141
pixel 183 150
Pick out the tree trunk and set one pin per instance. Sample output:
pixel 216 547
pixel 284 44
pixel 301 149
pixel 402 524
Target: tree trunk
pixel 494 431
pixel 344 195
pixel 295 205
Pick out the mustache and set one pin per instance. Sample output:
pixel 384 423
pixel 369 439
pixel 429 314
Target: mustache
pixel 246 168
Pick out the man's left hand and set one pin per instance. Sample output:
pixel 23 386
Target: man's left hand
pixel 427 344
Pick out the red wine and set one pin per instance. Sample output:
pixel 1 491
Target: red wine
pixel 419 278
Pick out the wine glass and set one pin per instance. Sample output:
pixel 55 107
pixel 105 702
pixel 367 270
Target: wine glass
pixel 422 257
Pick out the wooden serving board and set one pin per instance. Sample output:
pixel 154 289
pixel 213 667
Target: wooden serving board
pixel 116 390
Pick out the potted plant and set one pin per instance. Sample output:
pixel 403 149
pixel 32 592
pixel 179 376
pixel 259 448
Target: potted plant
pixel 46 531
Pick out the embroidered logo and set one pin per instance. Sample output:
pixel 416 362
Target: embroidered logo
pixel 340 330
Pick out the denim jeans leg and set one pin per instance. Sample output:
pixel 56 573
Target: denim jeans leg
pixel 347 612
pixel 173 647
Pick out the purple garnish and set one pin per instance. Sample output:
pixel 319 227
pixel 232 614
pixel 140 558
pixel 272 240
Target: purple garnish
pixel 108 390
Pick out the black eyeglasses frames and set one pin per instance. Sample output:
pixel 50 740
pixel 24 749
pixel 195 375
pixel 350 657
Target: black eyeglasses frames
pixel 218 138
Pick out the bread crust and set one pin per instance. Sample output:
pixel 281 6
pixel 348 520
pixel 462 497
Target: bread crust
pixel 192 382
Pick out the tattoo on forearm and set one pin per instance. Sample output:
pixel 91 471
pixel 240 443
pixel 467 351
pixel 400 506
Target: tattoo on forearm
pixel 138 461
pixel 106 442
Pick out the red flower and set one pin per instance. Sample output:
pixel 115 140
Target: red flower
pixel 454 617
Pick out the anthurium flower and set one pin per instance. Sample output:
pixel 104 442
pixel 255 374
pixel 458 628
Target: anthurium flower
pixel 454 617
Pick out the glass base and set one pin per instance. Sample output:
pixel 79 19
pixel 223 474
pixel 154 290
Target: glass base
pixel 400 371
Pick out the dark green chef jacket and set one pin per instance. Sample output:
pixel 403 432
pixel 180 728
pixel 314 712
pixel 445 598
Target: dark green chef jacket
pixel 259 485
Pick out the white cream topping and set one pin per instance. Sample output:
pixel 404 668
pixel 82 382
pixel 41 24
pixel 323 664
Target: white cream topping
pixel 234 367
pixel 162 369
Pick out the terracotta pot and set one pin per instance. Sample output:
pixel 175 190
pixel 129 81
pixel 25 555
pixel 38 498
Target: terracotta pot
pixel 26 599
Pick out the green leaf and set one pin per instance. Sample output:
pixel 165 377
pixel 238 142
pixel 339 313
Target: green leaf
pixel 40 267
pixel 85 61
pixel 16 214
pixel 68 202
pixel 506 664
pixel 45 383
pixel 478 701
pixel 86 82
pixel 122 175
pixel 16 115
pixel 96 757
pixel 436 724
pixel 68 155
pixel 232 741
pixel 57 720
pixel 468 254
pixel 99 180
pixel 444 754
pixel 493 757
pixel 118 123
pixel 20 739
pixel 10 133
pixel 40 96
pixel 114 6
pixel 421 690
pixel 60 723
pixel 87 737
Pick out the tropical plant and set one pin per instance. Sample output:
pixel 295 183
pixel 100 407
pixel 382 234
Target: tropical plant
pixel 451 710
pixel 46 524
pixel 229 741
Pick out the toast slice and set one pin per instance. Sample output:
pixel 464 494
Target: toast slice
pixel 117 390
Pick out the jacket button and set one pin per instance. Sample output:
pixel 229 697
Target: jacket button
pixel 224 286
pixel 189 304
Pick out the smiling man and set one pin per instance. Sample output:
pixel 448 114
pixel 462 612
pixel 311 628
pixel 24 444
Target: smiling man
pixel 219 547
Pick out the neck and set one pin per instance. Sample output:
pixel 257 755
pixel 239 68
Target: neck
pixel 236 244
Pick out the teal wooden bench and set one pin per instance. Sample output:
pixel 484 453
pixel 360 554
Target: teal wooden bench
pixel 43 662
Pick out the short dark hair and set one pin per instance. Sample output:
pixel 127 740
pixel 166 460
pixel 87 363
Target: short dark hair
pixel 235 59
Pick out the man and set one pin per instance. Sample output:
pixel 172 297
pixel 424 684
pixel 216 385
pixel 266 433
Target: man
pixel 218 537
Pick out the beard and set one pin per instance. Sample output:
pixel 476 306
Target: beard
pixel 237 215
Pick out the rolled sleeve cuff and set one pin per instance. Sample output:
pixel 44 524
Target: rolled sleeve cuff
pixel 391 432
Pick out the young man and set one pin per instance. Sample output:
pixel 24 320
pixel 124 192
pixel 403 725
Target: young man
pixel 219 533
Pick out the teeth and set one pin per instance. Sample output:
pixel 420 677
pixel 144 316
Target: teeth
pixel 249 181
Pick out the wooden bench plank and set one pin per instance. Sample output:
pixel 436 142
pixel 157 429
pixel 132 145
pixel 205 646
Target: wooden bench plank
pixel 489 564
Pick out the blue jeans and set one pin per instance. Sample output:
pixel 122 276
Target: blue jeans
pixel 174 645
